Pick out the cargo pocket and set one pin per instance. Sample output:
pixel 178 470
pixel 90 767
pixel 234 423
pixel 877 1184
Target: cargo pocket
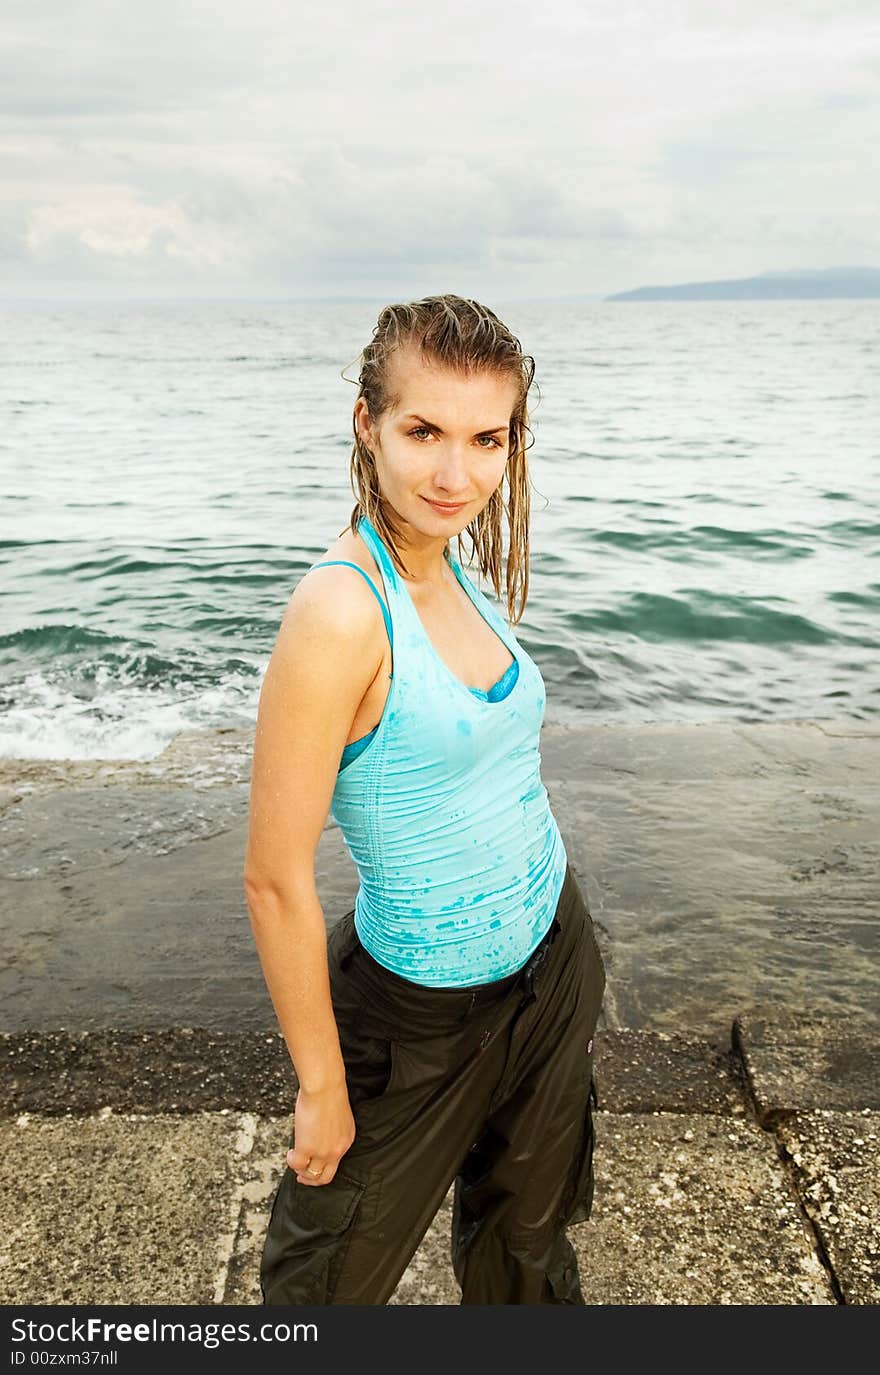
pixel 578 1202
pixel 370 1067
pixel 309 1233
pixel 368 1050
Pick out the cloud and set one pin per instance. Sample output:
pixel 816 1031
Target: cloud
pixel 314 149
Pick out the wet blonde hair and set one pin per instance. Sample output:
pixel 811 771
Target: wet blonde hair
pixel 467 337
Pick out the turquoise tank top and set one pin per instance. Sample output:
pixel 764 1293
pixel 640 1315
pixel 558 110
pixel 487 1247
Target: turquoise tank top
pixel 496 691
pixel 443 811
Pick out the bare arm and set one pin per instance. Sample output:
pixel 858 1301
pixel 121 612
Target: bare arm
pixel 328 651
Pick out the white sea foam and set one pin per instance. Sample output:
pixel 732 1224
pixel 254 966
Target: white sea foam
pixel 120 722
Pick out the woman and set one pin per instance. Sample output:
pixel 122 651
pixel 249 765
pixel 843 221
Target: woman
pixel 443 1032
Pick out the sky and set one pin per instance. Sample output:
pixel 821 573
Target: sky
pixel 366 148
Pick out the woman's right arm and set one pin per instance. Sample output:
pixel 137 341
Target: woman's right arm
pixel 327 652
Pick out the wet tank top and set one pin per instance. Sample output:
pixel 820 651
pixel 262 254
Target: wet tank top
pixel 496 691
pixel 443 810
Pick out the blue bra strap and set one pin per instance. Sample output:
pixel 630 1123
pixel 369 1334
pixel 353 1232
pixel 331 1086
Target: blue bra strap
pixel 329 562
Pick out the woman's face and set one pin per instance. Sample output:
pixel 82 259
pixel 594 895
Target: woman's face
pixel 441 452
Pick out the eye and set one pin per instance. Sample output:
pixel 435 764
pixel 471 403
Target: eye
pixel 422 430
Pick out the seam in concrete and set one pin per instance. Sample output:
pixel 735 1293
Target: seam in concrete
pixel 787 1160
pixel 767 1123
pixel 243 1145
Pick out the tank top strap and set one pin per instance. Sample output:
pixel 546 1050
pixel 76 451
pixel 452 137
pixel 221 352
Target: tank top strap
pixel 483 604
pixel 377 548
pixel 346 563
pixel 380 553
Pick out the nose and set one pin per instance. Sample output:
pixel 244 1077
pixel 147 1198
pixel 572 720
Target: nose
pixel 451 475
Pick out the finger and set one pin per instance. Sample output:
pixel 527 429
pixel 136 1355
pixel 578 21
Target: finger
pixel 298 1158
pixel 326 1176
pixel 308 1165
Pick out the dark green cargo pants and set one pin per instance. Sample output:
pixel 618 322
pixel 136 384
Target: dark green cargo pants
pixel 490 1087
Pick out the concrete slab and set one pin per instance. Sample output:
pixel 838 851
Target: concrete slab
pixel 640 1071
pixel 725 865
pixel 836 1156
pixel 265 1165
pixel 119 1209
pixel 796 1062
pixel 187 1069
pixel 180 1069
pixel 694 1210
pixel 710 749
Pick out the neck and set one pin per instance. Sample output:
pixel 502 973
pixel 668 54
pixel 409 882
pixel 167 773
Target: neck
pixel 423 556
pixel 426 563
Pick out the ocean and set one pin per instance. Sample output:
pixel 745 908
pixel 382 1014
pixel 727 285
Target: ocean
pixel 705 510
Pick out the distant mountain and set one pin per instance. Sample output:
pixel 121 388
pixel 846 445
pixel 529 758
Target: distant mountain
pixel 800 284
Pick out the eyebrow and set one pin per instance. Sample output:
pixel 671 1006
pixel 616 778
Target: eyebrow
pixel 429 425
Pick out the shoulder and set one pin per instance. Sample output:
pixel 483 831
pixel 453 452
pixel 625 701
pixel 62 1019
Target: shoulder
pixel 334 606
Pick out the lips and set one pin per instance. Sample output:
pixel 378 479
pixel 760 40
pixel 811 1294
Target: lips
pixel 444 509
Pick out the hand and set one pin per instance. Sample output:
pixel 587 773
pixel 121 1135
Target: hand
pixel 323 1130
